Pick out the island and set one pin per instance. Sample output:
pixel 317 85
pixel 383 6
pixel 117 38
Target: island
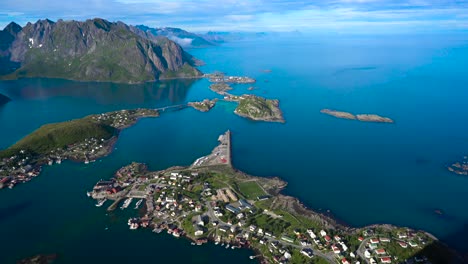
pixel 220 88
pixel 39 259
pixel 4 99
pixel 460 167
pixel 359 117
pixel 82 140
pixel 219 77
pixel 205 105
pixel 257 108
pixel 212 201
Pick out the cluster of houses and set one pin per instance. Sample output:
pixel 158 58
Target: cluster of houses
pixel 18 168
pixel 123 118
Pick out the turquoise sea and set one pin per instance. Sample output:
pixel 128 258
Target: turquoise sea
pixel 363 173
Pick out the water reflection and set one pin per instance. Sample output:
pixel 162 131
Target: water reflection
pixel 104 93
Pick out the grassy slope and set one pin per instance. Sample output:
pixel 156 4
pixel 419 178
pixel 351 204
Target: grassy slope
pixel 59 135
pixel 257 107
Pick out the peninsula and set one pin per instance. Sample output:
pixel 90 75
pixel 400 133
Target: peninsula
pixel 359 117
pixel 211 201
pixel 81 140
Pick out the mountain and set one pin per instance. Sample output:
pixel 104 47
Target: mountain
pixel 4 99
pixel 182 37
pixel 95 50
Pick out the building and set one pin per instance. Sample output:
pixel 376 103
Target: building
pixel 336 249
pixel 287 239
pixel 263 197
pixel 380 251
pixel 328 239
pixel 412 244
pixel 323 233
pixel 198 230
pixel 344 261
pixel 367 254
pixel 199 221
pixel 223 229
pixel 307 252
pixel 385 239
pixel 403 244
pixel 231 195
pixel 374 240
pixel 245 204
pixel 232 209
pixel 386 260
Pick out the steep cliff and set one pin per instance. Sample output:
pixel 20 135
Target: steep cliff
pixel 96 50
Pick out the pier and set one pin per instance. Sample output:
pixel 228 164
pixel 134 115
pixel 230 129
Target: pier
pixel 114 205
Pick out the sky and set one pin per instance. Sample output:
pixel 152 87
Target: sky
pixel 334 16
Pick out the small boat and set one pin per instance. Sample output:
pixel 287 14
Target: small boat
pixel 233 247
pixel 88 194
pixel 138 203
pixel 126 203
pixel 252 257
pixel 134 226
pixel 193 243
pixel 222 244
pixel 106 228
pixel 227 246
pixel 216 243
pixel 101 202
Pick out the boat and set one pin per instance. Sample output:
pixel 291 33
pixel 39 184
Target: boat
pixel 233 247
pixel 222 244
pixel 216 243
pixel 88 194
pixel 126 203
pixel 227 246
pixel 252 257
pixel 138 203
pixel 157 230
pixel 134 226
pixel 101 202
pixel 193 243
pixel 106 228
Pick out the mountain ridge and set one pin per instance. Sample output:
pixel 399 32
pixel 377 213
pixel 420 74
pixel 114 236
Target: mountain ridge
pixel 94 50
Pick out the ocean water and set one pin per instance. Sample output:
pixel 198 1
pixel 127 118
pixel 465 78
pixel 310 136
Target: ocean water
pixel 364 173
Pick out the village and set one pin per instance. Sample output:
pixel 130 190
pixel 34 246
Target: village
pixel 208 201
pixel 220 77
pixel 24 164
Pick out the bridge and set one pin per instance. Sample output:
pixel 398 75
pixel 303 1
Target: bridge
pixel 172 108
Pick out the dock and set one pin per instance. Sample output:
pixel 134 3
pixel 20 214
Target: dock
pixel 114 205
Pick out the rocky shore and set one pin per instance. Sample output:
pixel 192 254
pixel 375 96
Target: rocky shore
pixel 359 117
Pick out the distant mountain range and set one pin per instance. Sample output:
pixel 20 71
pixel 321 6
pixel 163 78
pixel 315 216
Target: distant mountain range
pixel 182 37
pixel 93 50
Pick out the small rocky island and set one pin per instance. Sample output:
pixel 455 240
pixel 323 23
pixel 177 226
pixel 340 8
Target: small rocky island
pixel 205 105
pixel 4 99
pixel 210 201
pixel 81 140
pixel 257 108
pixel 219 77
pixel 359 117
pixel 220 88
pixel 460 167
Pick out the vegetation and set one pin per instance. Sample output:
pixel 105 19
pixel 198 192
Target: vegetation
pixel 250 189
pixel 60 135
pixel 259 108
pixel 268 223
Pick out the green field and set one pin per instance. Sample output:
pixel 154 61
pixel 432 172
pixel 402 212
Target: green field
pixel 250 189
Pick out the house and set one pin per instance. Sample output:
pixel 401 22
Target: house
pixel 361 239
pixel 328 239
pixel 386 260
pixel 307 252
pixel 412 244
pixel 403 244
pixel 233 229
pixel 268 234
pixel 402 235
pixel 352 255
pixel 263 197
pixel 198 230
pixel 374 240
pixel 252 228
pixel 323 233
pixel 199 221
pixel 380 251
pixel 287 239
pixel 240 215
pixel 223 229
pixel 344 261
pixel 367 254
pixel 373 246
pixel 336 249
pixel 337 238
pixel 343 245
pixel 311 233
pixel 372 261
pixel 287 255
pixel 232 209
pixel 385 239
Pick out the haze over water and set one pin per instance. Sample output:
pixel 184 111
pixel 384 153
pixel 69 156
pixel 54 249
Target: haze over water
pixel 363 173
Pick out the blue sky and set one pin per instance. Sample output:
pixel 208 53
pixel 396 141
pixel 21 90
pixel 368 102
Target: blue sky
pixel 335 16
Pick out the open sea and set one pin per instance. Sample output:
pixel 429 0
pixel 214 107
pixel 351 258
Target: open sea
pixel 364 173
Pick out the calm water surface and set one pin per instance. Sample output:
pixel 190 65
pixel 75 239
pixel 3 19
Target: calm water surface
pixel 364 173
